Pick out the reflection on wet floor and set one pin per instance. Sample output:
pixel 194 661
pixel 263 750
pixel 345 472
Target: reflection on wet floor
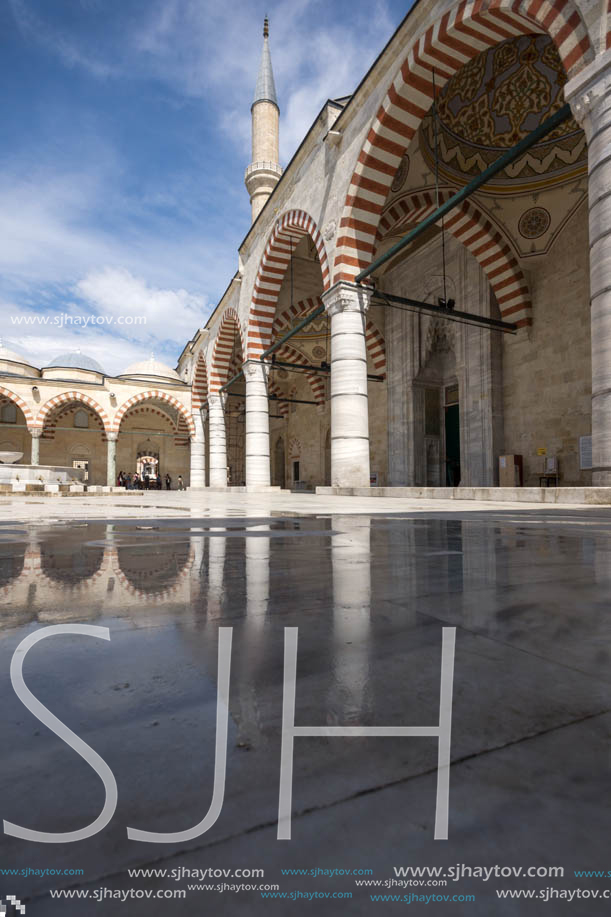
pixel 370 596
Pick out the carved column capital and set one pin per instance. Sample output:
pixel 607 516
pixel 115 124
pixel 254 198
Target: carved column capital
pixel 347 297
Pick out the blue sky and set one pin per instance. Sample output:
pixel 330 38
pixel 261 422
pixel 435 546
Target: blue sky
pixel 125 135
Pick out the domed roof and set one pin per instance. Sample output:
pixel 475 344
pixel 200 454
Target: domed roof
pixel 76 360
pixel 12 357
pixel 151 368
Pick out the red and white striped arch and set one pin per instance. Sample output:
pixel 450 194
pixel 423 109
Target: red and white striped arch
pixel 228 331
pixel 274 389
pixel 67 397
pixel 146 396
pixel 471 226
pixel 29 417
pixel 376 346
pixel 460 34
pixel 199 386
pixel 286 235
pixel 54 418
pixel 317 383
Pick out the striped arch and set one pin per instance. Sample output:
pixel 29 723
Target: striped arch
pixel 284 320
pixel 199 386
pixel 317 383
pixel 286 234
pixel 66 397
pixel 466 30
pixel 471 226
pixel 223 347
pixel 29 417
pixel 274 389
pixel 376 345
pixel 55 417
pixel 146 396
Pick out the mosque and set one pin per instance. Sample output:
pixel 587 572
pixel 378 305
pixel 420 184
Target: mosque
pixel 423 297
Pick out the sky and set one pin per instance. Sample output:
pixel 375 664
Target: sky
pixel 125 130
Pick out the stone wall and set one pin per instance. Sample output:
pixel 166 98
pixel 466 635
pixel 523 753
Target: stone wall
pixel 547 368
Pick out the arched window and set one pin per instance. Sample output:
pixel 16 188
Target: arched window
pixel 81 418
pixel 8 414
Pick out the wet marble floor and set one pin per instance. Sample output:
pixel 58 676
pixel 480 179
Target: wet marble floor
pixel 526 590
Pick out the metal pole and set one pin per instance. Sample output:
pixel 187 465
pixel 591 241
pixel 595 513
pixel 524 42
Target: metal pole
pixel 505 160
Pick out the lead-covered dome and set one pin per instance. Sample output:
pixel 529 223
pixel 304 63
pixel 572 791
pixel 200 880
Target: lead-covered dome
pixel 10 356
pixel 151 369
pixel 76 360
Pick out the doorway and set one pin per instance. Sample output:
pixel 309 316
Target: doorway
pixel 452 436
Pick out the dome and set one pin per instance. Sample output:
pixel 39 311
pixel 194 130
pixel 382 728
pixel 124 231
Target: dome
pixel 151 368
pixel 493 102
pixel 76 360
pixel 11 357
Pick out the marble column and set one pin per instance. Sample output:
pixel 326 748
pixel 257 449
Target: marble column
pixel 36 434
pixel 197 477
pixel 257 425
pixel 347 306
pixel 218 440
pixel 589 94
pixel 111 461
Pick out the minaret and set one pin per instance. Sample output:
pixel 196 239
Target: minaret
pixel 264 172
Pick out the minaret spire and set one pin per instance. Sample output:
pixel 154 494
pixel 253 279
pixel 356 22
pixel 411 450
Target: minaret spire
pixel 263 173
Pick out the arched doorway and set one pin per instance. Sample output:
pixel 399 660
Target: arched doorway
pixel 153 440
pixel 279 478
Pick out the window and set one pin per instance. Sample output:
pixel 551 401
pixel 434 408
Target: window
pixel 81 418
pixel 8 414
pixel 295 471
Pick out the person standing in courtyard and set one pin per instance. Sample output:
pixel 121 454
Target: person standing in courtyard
pixel 168 482
pixel 181 485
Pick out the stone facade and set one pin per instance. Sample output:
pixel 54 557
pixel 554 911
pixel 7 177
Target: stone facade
pixel 453 397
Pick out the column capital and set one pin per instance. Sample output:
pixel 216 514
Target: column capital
pixel 347 297
pixel 112 437
pixel 589 92
pixel 36 432
pixel 216 398
pixel 254 368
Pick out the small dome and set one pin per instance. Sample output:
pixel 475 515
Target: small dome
pixel 151 369
pixel 12 357
pixel 76 360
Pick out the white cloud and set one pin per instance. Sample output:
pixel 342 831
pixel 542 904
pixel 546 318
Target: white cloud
pixel 171 315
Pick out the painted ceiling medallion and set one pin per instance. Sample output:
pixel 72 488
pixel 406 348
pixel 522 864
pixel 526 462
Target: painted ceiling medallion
pixel 319 351
pixel 495 100
pixel 534 222
pixel 401 174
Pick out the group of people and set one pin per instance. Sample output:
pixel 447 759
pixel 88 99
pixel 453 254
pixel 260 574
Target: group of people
pixel 146 481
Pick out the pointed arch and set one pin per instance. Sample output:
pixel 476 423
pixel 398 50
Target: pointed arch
pixel 288 231
pixel 471 226
pixel 199 386
pixel 27 413
pixel 376 346
pixel 229 329
pixel 464 31
pixel 146 396
pixel 317 383
pixel 66 397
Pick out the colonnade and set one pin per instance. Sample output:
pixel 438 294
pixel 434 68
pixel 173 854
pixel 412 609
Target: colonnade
pixel 347 305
